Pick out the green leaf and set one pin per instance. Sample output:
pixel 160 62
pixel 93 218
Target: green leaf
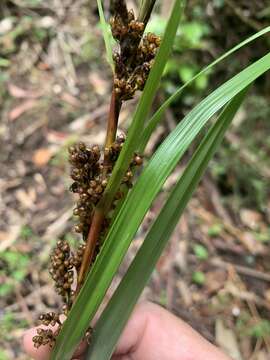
pixel 186 72
pixel 193 32
pixel 3 355
pixel 201 82
pixel 4 62
pixel 114 317
pixel 155 119
pixel 6 289
pixel 215 230
pixel 198 277
pixel 19 275
pixel 138 202
pixel 106 34
pixel 146 7
pixel 261 329
pixel 200 252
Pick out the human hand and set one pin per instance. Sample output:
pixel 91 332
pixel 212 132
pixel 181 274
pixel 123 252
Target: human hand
pixel 152 333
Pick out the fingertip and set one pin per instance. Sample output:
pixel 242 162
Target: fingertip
pixel 41 353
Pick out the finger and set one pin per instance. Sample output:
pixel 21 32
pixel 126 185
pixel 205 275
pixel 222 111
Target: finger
pixel 43 352
pixel 152 333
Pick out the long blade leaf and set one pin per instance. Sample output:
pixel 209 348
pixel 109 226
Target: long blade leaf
pixel 155 119
pixel 106 34
pixel 138 202
pixel 114 317
pixel 145 10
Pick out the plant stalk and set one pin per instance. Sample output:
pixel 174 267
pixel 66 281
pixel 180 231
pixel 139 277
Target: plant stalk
pixel 112 124
pixel 99 212
pixel 91 243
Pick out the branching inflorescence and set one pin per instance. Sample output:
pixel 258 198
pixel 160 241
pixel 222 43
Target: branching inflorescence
pixel 136 52
pixel 91 168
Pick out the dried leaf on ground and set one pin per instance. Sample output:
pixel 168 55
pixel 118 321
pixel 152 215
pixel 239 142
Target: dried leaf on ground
pixel 42 156
pixel 19 110
pixel 227 340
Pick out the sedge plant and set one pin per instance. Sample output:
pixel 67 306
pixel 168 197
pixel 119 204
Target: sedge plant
pixel 111 205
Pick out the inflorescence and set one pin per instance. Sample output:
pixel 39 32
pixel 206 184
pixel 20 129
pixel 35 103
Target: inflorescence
pixel 90 181
pixel 136 53
pixel 91 167
pixel 91 178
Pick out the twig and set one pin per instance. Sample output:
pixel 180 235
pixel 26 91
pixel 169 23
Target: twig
pixel 231 230
pixel 242 269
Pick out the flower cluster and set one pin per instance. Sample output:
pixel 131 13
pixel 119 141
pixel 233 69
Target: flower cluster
pixel 50 318
pixel 77 258
pixel 84 171
pixel 90 179
pixel 136 53
pixel 44 337
pixel 61 269
pixel 64 265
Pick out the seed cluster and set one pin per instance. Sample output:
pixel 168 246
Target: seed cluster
pixel 89 183
pixel 90 179
pixel 61 269
pixel 50 318
pixel 44 337
pixel 85 171
pixel 77 258
pixel 136 53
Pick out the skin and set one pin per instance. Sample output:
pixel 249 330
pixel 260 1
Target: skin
pixel 152 333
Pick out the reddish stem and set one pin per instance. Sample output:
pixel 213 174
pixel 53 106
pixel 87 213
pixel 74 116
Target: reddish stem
pixel 99 214
pixel 91 243
pixel 115 106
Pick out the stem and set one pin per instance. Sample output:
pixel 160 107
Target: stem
pixel 99 213
pixel 115 107
pixel 90 246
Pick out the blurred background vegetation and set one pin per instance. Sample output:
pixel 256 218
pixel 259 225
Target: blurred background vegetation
pixel 54 89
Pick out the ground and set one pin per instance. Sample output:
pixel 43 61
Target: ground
pixel 54 90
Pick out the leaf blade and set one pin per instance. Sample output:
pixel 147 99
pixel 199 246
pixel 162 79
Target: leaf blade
pixel 126 295
pixel 145 10
pixel 138 202
pixel 106 35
